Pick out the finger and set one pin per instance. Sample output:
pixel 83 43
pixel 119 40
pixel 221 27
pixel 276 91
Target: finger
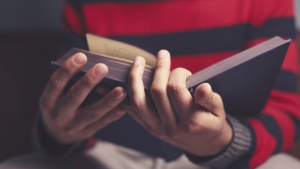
pixel 159 91
pixel 59 80
pixel 79 91
pixel 208 99
pixel 103 90
pixel 179 95
pixel 97 110
pixel 126 104
pixel 110 117
pixel 144 109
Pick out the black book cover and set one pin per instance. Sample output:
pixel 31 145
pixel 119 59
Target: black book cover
pixel 244 82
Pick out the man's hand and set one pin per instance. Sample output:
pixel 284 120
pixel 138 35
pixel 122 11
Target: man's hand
pixel 63 117
pixel 197 126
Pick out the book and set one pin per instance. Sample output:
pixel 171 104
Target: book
pixel 243 80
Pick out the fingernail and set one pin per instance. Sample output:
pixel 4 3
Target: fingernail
pixel 118 96
pixel 162 53
pixel 80 58
pixel 138 60
pixel 99 71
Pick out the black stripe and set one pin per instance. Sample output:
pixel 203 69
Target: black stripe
pixel 76 4
pixel 272 126
pixel 284 27
pixel 72 40
pixel 297 127
pixel 118 1
pixel 194 42
pixel 233 38
pixel 286 81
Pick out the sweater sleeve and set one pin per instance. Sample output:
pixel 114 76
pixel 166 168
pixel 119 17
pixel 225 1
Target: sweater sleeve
pixel 276 128
pixel 45 143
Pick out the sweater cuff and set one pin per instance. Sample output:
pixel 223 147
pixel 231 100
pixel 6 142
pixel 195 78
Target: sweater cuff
pixel 239 146
pixel 45 143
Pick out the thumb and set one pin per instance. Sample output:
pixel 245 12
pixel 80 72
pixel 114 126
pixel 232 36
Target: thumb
pixel 207 98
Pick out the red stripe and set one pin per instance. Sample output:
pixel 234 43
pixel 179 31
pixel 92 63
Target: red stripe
pixel 272 9
pixel 255 42
pixel 195 63
pixel 286 125
pixel 265 144
pixel 90 143
pixel 175 16
pixel 287 102
pixel 291 59
pixel 72 20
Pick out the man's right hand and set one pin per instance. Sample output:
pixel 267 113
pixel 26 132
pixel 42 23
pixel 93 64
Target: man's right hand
pixel 62 115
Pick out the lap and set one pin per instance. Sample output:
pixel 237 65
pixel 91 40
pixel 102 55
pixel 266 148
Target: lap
pixel 108 156
pixel 282 160
pixel 103 156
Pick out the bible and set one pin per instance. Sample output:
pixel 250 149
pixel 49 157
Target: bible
pixel 243 80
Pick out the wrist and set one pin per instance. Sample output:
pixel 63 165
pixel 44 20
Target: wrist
pixel 223 140
pixel 215 144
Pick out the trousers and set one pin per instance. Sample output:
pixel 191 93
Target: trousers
pixel 105 155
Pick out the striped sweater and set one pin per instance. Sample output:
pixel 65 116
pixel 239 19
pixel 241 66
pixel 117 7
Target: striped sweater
pixel 199 33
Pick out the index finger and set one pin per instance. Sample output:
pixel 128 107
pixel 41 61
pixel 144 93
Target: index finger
pixel 60 78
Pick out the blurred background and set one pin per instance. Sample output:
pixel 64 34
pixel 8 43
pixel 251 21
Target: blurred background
pixel 30 36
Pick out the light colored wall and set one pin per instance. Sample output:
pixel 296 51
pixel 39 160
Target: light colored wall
pixel 297 8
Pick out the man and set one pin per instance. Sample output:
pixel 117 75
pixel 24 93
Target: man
pixel 173 129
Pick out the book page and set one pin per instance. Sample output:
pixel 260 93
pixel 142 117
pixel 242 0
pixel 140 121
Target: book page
pixel 113 48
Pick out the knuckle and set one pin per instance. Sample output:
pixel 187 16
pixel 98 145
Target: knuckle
pixel 68 131
pixel 179 69
pixel 91 114
pixel 72 98
pixel 182 71
pixel 213 98
pixel 87 82
pixel 170 134
pixel 176 88
pixel 71 131
pixel 157 90
pixel 136 103
pixel 58 122
pixel 113 117
pixel 190 128
pixel 89 133
pixel 156 131
pixel 110 103
pixel 66 69
pixel 218 99
pixel 55 84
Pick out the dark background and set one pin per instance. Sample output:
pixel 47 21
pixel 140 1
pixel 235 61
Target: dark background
pixel 30 37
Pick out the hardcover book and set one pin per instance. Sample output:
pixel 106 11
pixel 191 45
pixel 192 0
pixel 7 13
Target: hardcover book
pixel 243 80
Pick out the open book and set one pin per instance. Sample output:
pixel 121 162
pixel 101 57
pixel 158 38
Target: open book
pixel 243 80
